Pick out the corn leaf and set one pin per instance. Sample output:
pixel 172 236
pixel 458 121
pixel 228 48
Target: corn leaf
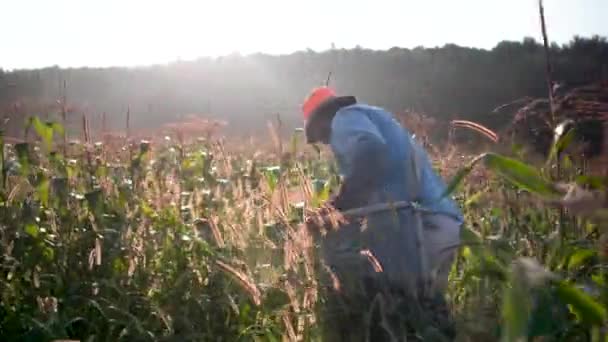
pixel 520 174
pixel 584 306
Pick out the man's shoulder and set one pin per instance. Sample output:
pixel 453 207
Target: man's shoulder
pixel 378 115
pixel 363 107
pixel 373 113
pixel 351 117
pixel 362 113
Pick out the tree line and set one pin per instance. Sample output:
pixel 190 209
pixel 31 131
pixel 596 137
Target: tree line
pixel 444 82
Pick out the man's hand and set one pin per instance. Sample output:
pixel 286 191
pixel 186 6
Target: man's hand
pixel 321 212
pixel 323 215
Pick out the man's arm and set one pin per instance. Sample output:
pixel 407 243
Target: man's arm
pixel 357 141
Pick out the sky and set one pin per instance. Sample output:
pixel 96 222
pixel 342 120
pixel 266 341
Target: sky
pixel 99 33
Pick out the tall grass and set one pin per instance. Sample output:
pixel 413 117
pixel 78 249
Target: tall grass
pixel 177 241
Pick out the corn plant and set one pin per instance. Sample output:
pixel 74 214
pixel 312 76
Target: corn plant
pixel 170 241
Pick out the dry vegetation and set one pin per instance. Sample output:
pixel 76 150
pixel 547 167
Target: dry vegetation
pixel 190 238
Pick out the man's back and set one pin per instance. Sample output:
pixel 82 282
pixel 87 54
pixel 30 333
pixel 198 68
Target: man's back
pixel 359 124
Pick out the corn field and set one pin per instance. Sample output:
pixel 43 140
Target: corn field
pixel 173 241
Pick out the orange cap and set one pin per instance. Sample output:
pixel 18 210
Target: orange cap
pixel 316 97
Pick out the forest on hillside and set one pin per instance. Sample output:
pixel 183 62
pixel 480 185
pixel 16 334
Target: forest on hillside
pixel 445 82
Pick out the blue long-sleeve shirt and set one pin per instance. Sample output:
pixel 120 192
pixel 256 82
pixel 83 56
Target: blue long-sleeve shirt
pixel 372 151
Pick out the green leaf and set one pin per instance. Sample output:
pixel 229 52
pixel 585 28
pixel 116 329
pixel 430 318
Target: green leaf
pixel 272 176
pixel 58 128
pixel 580 257
pixel 472 240
pixel 459 177
pixel 32 230
pixel 598 279
pixel 473 199
pixel 521 175
pixel 43 191
pixel 526 274
pixel 48 253
pixel 584 306
pixel 23 154
pixel 515 310
pixel 44 131
pixel 561 140
pixel 119 266
pixel 595 182
pixel 325 191
pixel 491 267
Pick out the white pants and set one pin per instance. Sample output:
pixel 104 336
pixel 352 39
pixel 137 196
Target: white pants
pixel 441 240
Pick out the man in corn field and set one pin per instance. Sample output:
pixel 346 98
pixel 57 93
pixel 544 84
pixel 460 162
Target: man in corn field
pixel 401 234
